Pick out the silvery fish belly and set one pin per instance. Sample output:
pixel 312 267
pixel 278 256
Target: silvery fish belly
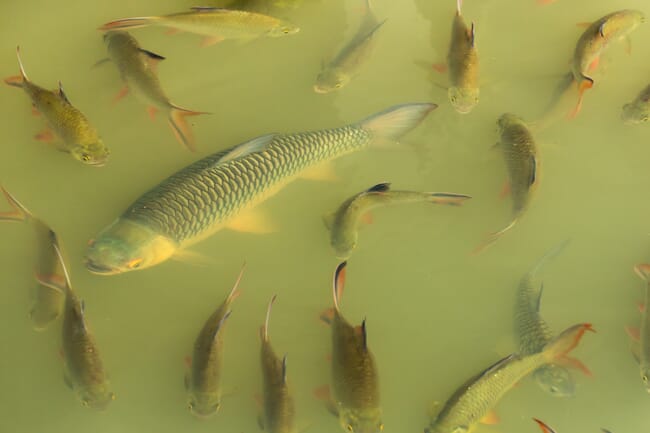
pixel 207 195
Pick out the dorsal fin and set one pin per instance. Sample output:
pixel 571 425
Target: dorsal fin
pixel 255 145
pixel 472 35
pixel 497 365
pixel 284 369
pixel 62 93
pixel 265 333
pixel 20 65
pixel 338 284
pixel 221 322
pixel 380 187
pixel 57 250
pixel 151 54
pixel 364 334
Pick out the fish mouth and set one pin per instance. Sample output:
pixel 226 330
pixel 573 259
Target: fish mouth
pixel 99 269
pixel 321 90
pixel 99 163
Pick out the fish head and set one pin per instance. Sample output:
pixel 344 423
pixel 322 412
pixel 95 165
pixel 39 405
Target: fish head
pixel 97 397
pixel 93 153
pixel 633 114
pixel 344 244
pixel 361 420
pixel 555 380
pixel 284 29
pixel 506 121
pixel 463 99
pixel 203 405
pixel 330 80
pixel 127 246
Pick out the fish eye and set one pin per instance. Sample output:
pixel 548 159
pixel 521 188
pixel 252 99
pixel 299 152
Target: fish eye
pixel 349 428
pixel 381 427
pixel 135 263
pixel 338 85
pixel 644 118
pixel 645 379
pixel 553 390
pixel 285 30
pixel 85 402
pixel 85 157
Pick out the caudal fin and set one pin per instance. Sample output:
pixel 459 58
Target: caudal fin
pixel 180 127
pixel 448 198
pixel 557 350
pixel 584 84
pixel 338 284
pixel 492 238
pixel 18 80
pixel 264 333
pixel 392 123
pixel 234 292
pixel 20 212
pixel 128 23
pixel 643 271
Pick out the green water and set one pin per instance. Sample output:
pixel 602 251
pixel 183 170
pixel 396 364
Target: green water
pixel 435 314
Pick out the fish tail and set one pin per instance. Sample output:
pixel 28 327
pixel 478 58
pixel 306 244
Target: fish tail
pixel 643 271
pixel 20 212
pixel 234 292
pixel 583 84
pixel 394 122
pixel 265 329
pixel 180 127
pixel 128 23
pixel 558 348
pixel 545 428
pixel 18 80
pixel 492 238
pixel 459 5
pixel 68 286
pixel 550 254
pixel 338 284
pixel 448 198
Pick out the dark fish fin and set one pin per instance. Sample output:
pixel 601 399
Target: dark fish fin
pixel 380 187
pixel 545 428
pixel 255 145
pixel 207 8
pixel 151 54
pixel 472 34
pixel 497 365
pixel 62 93
pixel 67 381
pixel 538 304
pixel 533 174
pixel 364 334
pixel 101 62
pixel 284 369
pixel 260 422
pixel 220 325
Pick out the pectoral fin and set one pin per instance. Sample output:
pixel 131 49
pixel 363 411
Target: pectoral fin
pixel 67 381
pixel 252 146
pixel 490 418
pixel 324 172
pixel 252 222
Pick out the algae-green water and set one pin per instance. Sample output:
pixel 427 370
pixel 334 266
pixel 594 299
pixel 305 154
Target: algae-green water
pixel 436 315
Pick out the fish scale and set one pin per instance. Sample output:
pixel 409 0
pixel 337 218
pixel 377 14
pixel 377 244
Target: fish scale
pixel 531 329
pixel 215 191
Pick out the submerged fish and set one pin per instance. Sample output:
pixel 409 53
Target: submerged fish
pixel 638 110
pixel 49 292
pixel 84 369
pixel 520 153
pixel 641 348
pixel 137 67
pixel 463 65
pixel 344 222
pixel 216 24
pixel 345 65
pixel 203 380
pixel 545 428
pixel 278 403
pixel 79 137
pixel 211 194
pixel 593 41
pixel 473 400
pixel 355 381
pixel 533 333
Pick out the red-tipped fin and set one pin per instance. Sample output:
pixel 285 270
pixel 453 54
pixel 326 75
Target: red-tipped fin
pixel 568 340
pixel 505 191
pixel 545 428
pixel 152 111
pixel 46 136
pixel 121 94
pixel 585 83
pixel 19 212
pixel 441 68
pixel 187 360
pixel 338 284
pixel 14 81
pixel 575 363
pixel 127 23
pixel 594 64
pixel 490 418
pixel 180 127
pixel 492 238
pixel 392 123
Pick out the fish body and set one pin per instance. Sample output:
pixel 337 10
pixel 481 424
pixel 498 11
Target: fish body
pixel 594 40
pixel 138 70
pixel 480 394
pixel 519 150
pixel 208 195
pixel 355 381
pixel 50 290
pixel 345 65
pixel 279 408
pixel 642 348
pixel 216 24
pixel 463 62
pixel 532 332
pixel 84 369
pixel 78 136
pixel 203 380
pixel 638 110
pixel 344 222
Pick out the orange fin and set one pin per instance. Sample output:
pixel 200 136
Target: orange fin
pixel 567 340
pixel 327 316
pixel 583 24
pixel 440 67
pixel 492 238
pixel 187 361
pixel 490 418
pixel 53 281
pixel 19 212
pixel 641 307
pixel 505 190
pixel 121 94
pixel 211 40
pixel 575 363
pixel 14 81
pixel 367 218
pixel 151 111
pixel 643 271
pixel 633 332
pixel 46 136
pixel 180 127
pixel 323 393
pixel 127 23
pixel 543 426
pixel 586 83
pixel 339 283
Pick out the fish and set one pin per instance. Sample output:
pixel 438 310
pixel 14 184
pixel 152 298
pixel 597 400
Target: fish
pixel 279 407
pixel 84 370
pixel 49 293
pixel 138 69
pixel 345 65
pixel 463 62
pixel 203 379
pixel 638 110
pixel 477 397
pixel 215 24
pixel 344 222
pixel 545 428
pixel 593 41
pixel 221 190
pixel 355 399
pixel 641 348
pixel 532 332
pixel 78 136
pixel 522 160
